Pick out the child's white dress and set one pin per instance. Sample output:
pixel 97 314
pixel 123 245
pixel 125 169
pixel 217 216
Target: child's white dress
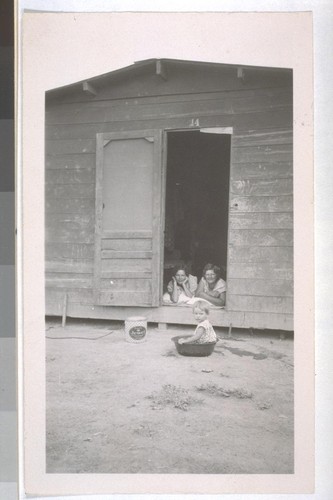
pixel 209 335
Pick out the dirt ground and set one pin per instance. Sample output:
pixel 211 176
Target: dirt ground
pixel 119 407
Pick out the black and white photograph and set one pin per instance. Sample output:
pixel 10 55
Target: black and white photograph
pixel 168 186
pixel 169 270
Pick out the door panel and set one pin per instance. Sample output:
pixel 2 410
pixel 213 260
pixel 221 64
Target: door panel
pixel 128 184
pixel 128 228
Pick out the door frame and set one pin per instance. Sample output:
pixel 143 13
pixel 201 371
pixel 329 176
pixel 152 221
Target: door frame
pixel 193 125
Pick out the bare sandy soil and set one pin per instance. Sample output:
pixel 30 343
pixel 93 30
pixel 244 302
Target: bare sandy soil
pixel 118 407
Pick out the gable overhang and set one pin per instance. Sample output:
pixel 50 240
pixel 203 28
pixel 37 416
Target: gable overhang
pixel 161 68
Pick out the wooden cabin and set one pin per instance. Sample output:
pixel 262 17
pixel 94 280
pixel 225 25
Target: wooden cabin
pixel 167 161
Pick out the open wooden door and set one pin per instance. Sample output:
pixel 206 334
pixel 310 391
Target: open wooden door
pixel 128 225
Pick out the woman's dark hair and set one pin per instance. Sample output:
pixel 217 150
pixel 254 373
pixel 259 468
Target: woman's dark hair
pixel 181 267
pixel 212 267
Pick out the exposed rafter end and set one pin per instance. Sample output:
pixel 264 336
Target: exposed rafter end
pixel 240 74
pixel 161 70
pixel 88 88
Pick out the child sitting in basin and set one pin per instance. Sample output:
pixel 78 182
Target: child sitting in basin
pixel 204 332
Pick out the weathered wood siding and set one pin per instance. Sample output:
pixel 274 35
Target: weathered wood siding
pixel 260 254
pixel 260 259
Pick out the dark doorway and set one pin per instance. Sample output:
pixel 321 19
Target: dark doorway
pixel 197 195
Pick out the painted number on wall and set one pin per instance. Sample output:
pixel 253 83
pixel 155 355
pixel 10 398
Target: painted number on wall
pixel 194 122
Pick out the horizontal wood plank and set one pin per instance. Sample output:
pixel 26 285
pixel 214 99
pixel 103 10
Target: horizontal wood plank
pixel 70 205
pixel 265 153
pixel 117 235
pixel 132 274
pixel 264 287
pixel 262 170
pixel 133 109
pixel 65 191
pixel 263 138
pixel 72 161
pixel 283 305
pixel 256 122
pixel 101 112
pixel 122 284
pixel 257 254
pixel 261 203
pixel 177 315
pixel 79 296
pixel 77 220
pixel 243 312
pixel 70 176
pixel 274 91
pixel 144 99
pixel 70 146
pixel 262 187
pixel 61 235
pixel 123 298
pixel 125 245
pixel 70 266
pixel 135 265
pixel 89 130
pixel 269 321
pixel 111 254
pixel 266 270
pixel 263 120
pixel 258 101
pixel 68 280
pixel 272 220
pixel 69 228
pixel 71 251
pixel 261 237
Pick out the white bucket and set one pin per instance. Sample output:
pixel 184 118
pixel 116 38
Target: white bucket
pixel 136 329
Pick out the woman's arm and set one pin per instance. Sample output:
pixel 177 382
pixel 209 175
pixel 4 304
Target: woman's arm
pixel 186 289
pixel 216 301
pixel 199 332
pixel 200 288
pixel 175 292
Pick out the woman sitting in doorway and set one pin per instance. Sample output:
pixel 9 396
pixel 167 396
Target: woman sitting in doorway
pixel 211 286
pixel 181 288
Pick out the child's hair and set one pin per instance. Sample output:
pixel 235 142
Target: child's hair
pixel 200 304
